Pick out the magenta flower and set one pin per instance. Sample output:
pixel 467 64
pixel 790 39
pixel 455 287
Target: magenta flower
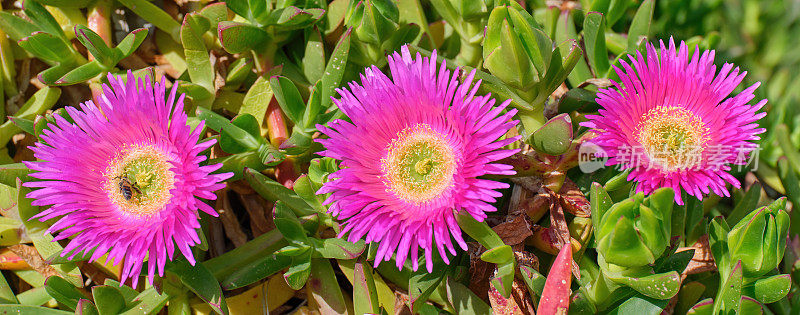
pixel 411 156
pixel 125 178
pixel 670 121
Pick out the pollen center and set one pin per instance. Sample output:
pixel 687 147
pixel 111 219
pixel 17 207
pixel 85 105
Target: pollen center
pixel 673 138
pixel 139 180
pixel 419 164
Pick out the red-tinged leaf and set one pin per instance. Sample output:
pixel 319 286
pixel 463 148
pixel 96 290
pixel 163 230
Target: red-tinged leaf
pixel 555 297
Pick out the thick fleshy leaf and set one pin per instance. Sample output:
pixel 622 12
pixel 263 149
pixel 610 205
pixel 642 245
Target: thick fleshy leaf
pixel 334 70
pixel 241 135
pixel 42 18
pixel 16 27
pixel 594 30
pixel 130 43
pixel 45 46
pixel 64 292
pixel 555 295
pixel 10 172
pixel 257 270
pixel 288 224
pixel 422 284
pixel 497 255
pixel 273 191
pixel 659 286
pixel 640 26
pixel 257 99
pixel 769 290
pixel 307 190
pixel 196 54
pixel 533 280
pixel 624 247
pixel 202 282
pixel 147 302
pixel 28 309
pixel 640 305
pixel 729 296
pixel 337 248
pixel 86 307
pixel 463 299
pixel 750 306
pixel 109 300
pixel 565 32
pixel 288 98
pixel 555 137
pixel 239 37
pixel 324 289
pixel 703 307
pixel 43 240
pixel 313 62
pixel 365 293
pixel 80 74
pixel 156 16
pixel 94 44
pixel 299 271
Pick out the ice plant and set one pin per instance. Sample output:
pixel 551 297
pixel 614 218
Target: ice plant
pixel 669 119
pixel 125 178
pixel 411 156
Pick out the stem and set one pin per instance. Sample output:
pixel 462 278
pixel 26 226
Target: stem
pixel 471 52
pixel 98 21
pixel 526 165
pixel 531 121
pixel 285 172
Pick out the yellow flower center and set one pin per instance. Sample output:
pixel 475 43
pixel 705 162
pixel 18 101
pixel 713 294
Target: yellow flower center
pixel 673 138
pixel 139 180
pixel 419 164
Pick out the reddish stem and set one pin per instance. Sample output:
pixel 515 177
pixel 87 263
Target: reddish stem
pixel 98 20
pixel 285 172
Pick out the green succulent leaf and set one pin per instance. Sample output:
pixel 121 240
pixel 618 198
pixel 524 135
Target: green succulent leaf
pixel 422 284
pixel 109 300
pixel 594 30
pixel 94 44
pixel 86 307
pixel 463 299
pixel 273 191
pixel 64 292
pixel 770 289
pixel 288 98
pixel 640 26
pixel 299 271
pixel 555 137
pixel 29 309
pixel 288 224
pixel 259 269
pixel 334 70
pixel 202 282
pixel 42 18
pixel 239 37
pixel 365 293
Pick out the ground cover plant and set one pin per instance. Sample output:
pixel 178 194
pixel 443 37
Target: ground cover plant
pixel 399 157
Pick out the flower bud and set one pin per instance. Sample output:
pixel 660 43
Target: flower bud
pixel 373 21
pixel 634 232
pixel 759 239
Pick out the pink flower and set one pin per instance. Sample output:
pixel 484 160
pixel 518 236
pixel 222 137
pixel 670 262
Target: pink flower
pixel 670 121
pixel 124 178
pixel 411 156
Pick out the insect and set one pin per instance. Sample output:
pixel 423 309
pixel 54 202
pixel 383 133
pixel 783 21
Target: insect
pixel 126 187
